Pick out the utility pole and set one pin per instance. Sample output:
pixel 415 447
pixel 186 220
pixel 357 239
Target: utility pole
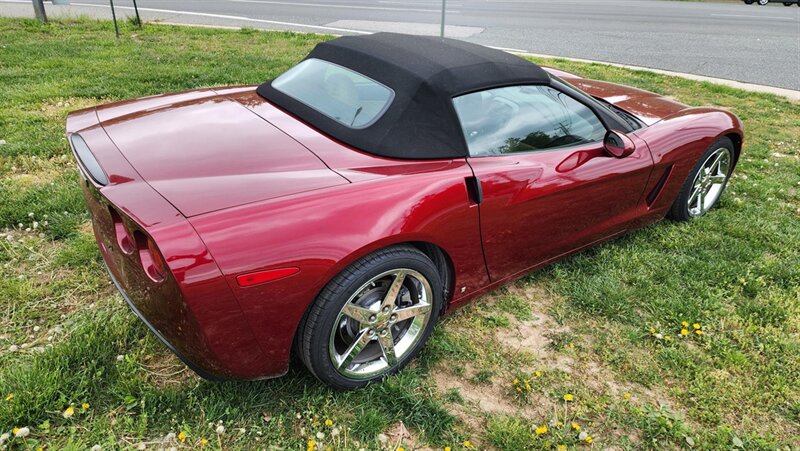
pixel 441 30
pixel 38 8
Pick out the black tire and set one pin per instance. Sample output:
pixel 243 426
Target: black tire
pixel 316 330
pixel 680 208
pixel 748 2
pixel 763 2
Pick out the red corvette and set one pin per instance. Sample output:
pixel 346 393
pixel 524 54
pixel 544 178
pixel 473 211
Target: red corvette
pixel 338 210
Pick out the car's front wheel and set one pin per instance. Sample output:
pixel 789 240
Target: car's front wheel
pixel 763 2
pixel 372 318
pixel 705 183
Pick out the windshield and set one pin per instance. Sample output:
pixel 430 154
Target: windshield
pixel 337 92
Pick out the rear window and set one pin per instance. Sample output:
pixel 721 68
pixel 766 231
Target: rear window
pixel 337 92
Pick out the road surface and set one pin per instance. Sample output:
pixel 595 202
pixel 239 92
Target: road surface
pixel 733 41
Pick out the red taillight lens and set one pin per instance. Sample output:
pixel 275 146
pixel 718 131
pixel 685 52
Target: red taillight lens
pixel 151 259
pixel 124 240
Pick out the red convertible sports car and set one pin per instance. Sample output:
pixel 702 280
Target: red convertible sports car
pixel 337 211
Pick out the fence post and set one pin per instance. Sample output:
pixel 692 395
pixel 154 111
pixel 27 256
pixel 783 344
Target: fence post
pixel 114 16
pixel 38 8
pixel 441 30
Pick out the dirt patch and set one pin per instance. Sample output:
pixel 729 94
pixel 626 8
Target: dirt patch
pixel 398 435
pixel 164 369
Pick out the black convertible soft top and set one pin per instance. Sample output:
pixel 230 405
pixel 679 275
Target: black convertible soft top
pixel 425 73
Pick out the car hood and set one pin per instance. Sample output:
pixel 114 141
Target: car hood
pixel 648 106
pixel 203 152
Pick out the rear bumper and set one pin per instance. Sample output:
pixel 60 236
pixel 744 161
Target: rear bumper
pixel 194 367
pixel 191 309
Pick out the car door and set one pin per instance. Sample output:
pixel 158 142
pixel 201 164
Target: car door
pixel 547 185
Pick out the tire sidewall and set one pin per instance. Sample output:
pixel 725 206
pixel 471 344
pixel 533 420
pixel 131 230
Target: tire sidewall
pixel 339 291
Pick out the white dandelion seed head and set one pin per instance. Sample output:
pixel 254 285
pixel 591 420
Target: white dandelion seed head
pixel 13 348
pixel 320 435
pixel 170 436
pixel 30 215
pixel 23 432
pixel 583 435
pixel 4 437
pixel 36 328
pixel 120 357
pixel 141 446
pixel 96 448
pixel 334 432
pixel 220 429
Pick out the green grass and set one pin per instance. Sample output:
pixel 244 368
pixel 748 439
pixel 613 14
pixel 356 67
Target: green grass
pixel 579 327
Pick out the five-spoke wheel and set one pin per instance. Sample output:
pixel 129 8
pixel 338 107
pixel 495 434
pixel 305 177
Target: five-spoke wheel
pixel 705 183
pixel 380 323
pixel 372 318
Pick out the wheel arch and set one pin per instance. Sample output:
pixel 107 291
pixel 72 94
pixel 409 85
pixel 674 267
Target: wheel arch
pixel 438 255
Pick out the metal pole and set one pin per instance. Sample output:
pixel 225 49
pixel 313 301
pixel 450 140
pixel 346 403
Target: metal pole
pixel 38 9
pixel 441 30
pixel 138 19
pixel 114 15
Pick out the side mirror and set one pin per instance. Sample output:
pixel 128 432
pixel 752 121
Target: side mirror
pixel 618 144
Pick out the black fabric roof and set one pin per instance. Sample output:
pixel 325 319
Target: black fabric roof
pixel 425 74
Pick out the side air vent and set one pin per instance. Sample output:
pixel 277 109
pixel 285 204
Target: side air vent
pixel 87 160
pixel 651 198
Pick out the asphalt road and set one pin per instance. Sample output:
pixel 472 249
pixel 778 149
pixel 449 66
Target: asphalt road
pixel 726 40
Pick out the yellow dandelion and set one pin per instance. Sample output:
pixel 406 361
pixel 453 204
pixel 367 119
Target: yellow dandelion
pixel 328 423
pixel 538 374
pixel 576 426
pixel 568 397
pixel 182 436
pixel 69 412
pixel 467 444
pixel 699 332
pixel 684 324
pixel 667 338
pixel 684 332
pixel 527 386
pixel 626 396
pixel 516 381
pixel 14 431
pixel 589 439
pixel 541 430
pixel 696 326
pixel 571 345
pixel 559 424
pixel 401 449
pixel 519 389
pixel 447 448
pixel 311 445
pixel 10 397
pixel 85 406
pixel 562 448
pixel 652 330
pixel 203 442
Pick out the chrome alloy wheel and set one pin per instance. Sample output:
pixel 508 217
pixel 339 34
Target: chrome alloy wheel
pixel 380 324
pixel 709 182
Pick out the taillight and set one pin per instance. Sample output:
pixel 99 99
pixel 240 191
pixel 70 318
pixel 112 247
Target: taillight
pixel 124 240
pixel 151 259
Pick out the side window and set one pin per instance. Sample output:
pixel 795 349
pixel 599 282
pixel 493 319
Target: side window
pixel 523 119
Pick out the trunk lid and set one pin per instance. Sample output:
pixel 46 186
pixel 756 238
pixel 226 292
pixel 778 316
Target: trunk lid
pixel 205 152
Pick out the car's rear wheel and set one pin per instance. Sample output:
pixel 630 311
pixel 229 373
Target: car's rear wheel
pixel 763 2
pixel 372 318
pixel 705 183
